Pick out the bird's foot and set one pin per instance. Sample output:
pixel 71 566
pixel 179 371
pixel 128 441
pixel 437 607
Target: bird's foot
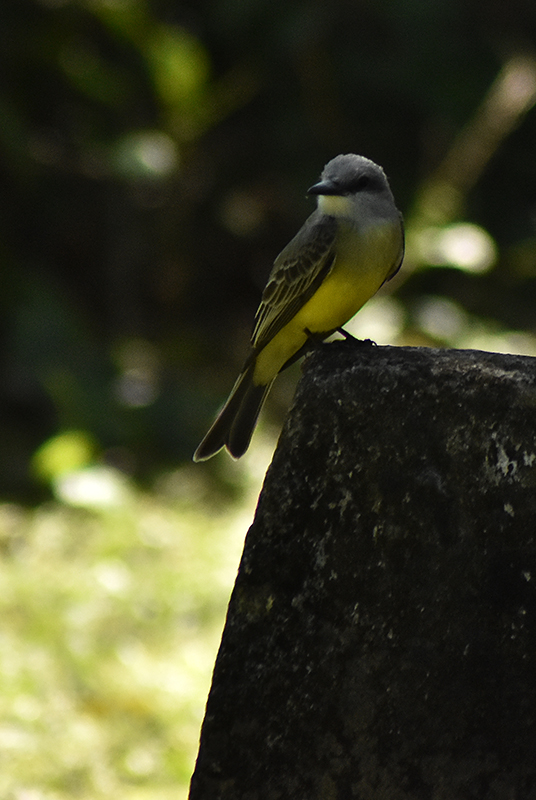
pixel 360 342
pixel 315 337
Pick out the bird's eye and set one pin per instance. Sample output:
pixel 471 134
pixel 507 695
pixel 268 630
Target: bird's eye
pixel 362 183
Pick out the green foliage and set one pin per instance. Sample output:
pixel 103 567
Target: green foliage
pixel 111 621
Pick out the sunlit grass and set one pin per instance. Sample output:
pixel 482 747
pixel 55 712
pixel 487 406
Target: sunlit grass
pixel 111 620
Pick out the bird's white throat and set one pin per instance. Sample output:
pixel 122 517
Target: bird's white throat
pixel 335 205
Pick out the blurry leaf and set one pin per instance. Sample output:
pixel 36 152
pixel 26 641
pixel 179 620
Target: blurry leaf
pixel 129 18
pixel 66 452
pixel 180 65
pixel 91 75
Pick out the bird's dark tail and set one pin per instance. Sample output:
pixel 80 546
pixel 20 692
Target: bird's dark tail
pixel 234 425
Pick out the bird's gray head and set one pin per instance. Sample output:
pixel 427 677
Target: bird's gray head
pixel 351 185
pixel 348 174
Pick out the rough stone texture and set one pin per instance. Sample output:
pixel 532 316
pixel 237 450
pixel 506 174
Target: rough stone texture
pixel 381 637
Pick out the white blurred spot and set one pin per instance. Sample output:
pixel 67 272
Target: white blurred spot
pixel 27 707
pixel 518 88
pixel 114 576
pixel 157 152
pixel 30 794
pixel 139 362
pixel 135 389
pixel 97 487
pixel 512 342
pixel 464 245
pixel 147 153
pixel 382 320
pixel 141 761
pixel 441 318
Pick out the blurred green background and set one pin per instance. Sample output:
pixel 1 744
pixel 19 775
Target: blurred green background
pixel 154 159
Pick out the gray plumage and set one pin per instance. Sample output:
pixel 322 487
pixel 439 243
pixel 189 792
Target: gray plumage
pixel 354 199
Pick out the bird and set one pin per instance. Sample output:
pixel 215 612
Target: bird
pixel 350 245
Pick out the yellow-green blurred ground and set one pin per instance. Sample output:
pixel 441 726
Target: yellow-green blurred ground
pixel 111 616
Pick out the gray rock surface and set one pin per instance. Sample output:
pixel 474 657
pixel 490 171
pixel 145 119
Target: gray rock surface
pixel 380 642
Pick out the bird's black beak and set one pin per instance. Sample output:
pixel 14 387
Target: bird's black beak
pixel 324 187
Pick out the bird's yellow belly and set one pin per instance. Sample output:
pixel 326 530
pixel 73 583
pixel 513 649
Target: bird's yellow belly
pixel 330 307
pixel 339 298
pixel 345 290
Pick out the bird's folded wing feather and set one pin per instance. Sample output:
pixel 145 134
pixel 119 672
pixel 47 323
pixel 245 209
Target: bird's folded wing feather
pixel 297 273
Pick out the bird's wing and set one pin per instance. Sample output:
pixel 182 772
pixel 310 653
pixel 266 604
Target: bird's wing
pixel 297 273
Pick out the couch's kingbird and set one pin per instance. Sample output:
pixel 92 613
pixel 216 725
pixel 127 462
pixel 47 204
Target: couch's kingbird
pixel 350 245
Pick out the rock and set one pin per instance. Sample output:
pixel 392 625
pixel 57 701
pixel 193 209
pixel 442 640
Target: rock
pixel 380 642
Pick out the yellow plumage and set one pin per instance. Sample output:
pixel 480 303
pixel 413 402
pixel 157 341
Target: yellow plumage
pixel 351 244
